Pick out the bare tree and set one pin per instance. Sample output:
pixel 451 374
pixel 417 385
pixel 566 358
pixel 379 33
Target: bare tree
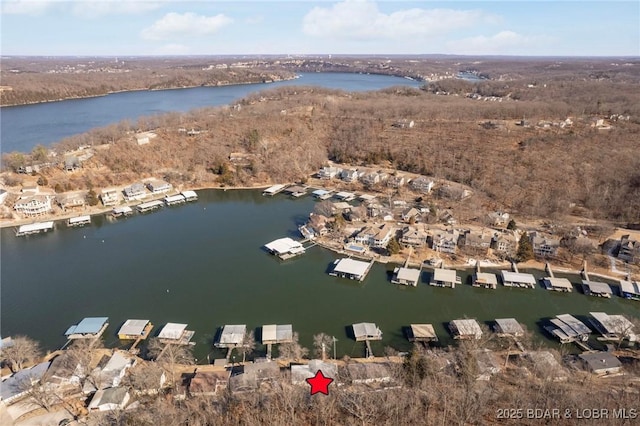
pixel 322 343
pixel 293 350
pixel 170 356
pixel 248 345
pixel 23 350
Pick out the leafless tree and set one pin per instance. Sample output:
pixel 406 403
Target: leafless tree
pixel 23 350
pixel 322 343
pixel 293 350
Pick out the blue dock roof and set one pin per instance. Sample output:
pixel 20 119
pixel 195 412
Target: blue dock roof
pixel 89 325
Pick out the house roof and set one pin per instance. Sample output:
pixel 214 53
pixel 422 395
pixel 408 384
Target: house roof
pixel 89 325
pixel 109 396
pixel 299 373
pixel 172 331
pixel 599 361
pixel 133 327
pixel 14 385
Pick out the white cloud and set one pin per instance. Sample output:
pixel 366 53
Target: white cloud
pixel 24 7
pixel 502 43
pixel 361 19
pixel 175 25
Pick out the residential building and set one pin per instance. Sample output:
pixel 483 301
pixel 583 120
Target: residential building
pixel 373 178
pixel 158 186
pixel 445 241
pixel 3 195
pixel 413 236
pixel 34 205
pixel 376 236
pixel 601 363
pixel 144 137
pixel 629 249
pixel 422 184
pixel 329 172
pixel 396 181
pixel 410 213
pixel 350 175
pixel 71 200
pixel 476 240
pixel 135 192
pixel 318 224
pixel 110 197
pixel 110 399
pixel 498 218
pixel 543 246
pixel 503 243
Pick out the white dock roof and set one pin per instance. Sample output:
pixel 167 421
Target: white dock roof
pixel 363 330
pixel 560 283
pixel 150 204
pixel 274 189
pixel 189 194
pixel 467 327
pixel 518 277
pixel 133 327
pixel 351 267
pixel 408 274
pixel 80 219
pixel 284 245
pixel 486 277
pixel 446 275
pixel 573 322
pixel 233 334
pixel 124 209
pixel 631 287
pixel 343 195
pixel 598 287
pixel 32 227
pixel 174 198
pixel 172 331
pixel 277 333
pixel 613 323
pixel 509 326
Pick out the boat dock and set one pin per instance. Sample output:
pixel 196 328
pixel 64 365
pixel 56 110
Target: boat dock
pixel 568 329
pixel 557 284
pixel 79 221
pixel 273 190
pixel 321 194
pixel 517 279
pixel 465 329
pixel 189 195
pixel 149 206
pixel 484 279
pixel 274 334
pixel 34 228
pixel 90 328
pixel 296 191
pixel 445 278
pixel 366 331
pixel 123 211
pixel 285 248
pixel 423 333
pixel 351 269
pixel 136 330
pixel 171 200
pixel 176 334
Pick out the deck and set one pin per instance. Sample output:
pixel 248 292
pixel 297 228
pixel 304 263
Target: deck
pixel 34 228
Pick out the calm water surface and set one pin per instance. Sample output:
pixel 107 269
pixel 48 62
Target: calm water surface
pixel 23 127
pixel 202 264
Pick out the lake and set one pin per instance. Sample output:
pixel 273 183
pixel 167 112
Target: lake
pixel 203 264
pixel 23 127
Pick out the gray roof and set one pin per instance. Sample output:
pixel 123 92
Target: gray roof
pixel 110 396
pixel 408 274
pixel 597 287
pixel 299 373
pixel 16 384
pixel 600 361
pixel 89 325
pixel 351 267
pixel 446 275
pixel 509 326
pixel 133 327
pixel 277 333
pixel 232 334
pixel 366 329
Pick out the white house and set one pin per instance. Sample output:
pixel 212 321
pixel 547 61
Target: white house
pixel 34 205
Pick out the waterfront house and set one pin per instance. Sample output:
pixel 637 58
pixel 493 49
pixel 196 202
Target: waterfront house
pixel 64 374
pixel 349 175
pixel 596 288
pixel 135 192
pixel 445 241
pixel 445 278
pixel 295 191
pixel 373 178
pixel 33 205
pixel 110 399
pixel 422 184
pixel 413 236
pixel 19 384
pixel 350 268
pixel 396 181
pixel 111 374
pixel 448 218
pixel 601 363
pixel 375 236
pixel 630 289
pixel 465 329
pixel 487 364
pixel 110 197
pixel 503 243
pixel 345 196
pixel 498 219
pixel 406 276
pixel 318 224
pixel 300 373
pixel 477 241
pixel 158 186
pixel 629 250
pixel 71 200
pixel 544 246
pixel 410 214
pixel 205 383
pixel 329 172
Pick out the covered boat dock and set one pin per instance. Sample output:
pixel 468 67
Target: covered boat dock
pixel 79 221
pixel 352 269
pixel 596 288
pixel 285 248
pixel 273 190
pixel 518 279
pixel 465 329
pixel 177 334
pixel 422 333
pixel 88 328
pixel 406 276
pixel 34 228
pixel 445 278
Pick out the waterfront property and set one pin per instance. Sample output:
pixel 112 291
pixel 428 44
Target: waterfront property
pixel 158 186
pixel 300 373
pixel 345 196
pixel 171 200
pixel 485 280
pixel 352 269
pixel 366 331
pixel 135 191
pixel 601 363
pixel 596 288
pixel 508 327
pixel 121 211
pixel 422 333
pixel 134 329
pixel 285 248
pixel 88 328
pixel 445 278
pixel 406 276
pixel 568 329
pixel 79 221
pixel 33 205
pixel 321 194
pixel 149 206
pixel 273 190
pixel 174 333
pixel 295 191
pixel 557 284
pixel 272 334
pixel 231 336
pixel 465 329
pixel 190 195
pixel 110 197
pixel 34 228
pixel 518 279
pixel 613 327
pixel 630 289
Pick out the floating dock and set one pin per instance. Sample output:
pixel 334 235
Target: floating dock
pixel 465 329
pixel 122 211
pixel 553 283
pixel 422 333
pixel 273 190
pixel 321 194
pixel 172 200
pixel 508 327
pixel 568 329
pixel 366 331
pixel 445 278
pixel 231 336
pixel 613 327
pixel 189 195
pixel 79 221
pixel 518 279
pixel 285 248
pixel 134 329
pixel 296 191
pixel 406 276
pixel 596 288
pixel 176 334
pixel 630 289
pixel 88 328
pixel 34 228
pixel 351 269
pixel 345 196
pixel 149 206
pixel 485 280
pixel 275 334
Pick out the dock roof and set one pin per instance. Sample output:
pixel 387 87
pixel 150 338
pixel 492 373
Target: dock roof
pixel 577 325
pixel 174 198
pixel 597 287
pixel 32 227
pixel 408 274
pixel 78 219
pixel 189 194
pixel 172 331
pixel 351 267
pixel 446 275
pixel 617 324
pixel 150 204
pixel 320 192
pixel 274 189
pixel 89 325
pixel 467 327
pixel 423 331
pixel 630 287
pixel 486 278
pixel 282 333
pixel 366 330
pixel 123 209
pixel 284 245
pixel 509 326
pixel 559 283
pixel 133 327
pixel 232 334
pixel 518 277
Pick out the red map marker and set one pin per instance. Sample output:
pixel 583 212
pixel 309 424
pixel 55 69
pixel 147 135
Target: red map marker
pixel 319 383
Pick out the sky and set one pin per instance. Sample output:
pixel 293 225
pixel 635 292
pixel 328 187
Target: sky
pixel 297 27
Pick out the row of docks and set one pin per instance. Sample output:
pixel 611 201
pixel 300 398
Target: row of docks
pixel 116 212
pixel 298 191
